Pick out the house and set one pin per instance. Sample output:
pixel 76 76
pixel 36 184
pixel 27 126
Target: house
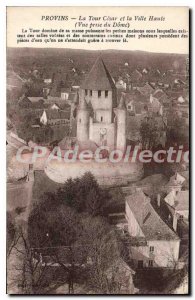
pixel 152 243
pixel 176 182
pixel 48 77
pixel 136 79
pixel 120 275
pixel 55 117
pixel 55 106
pixel 178 206
pixel 43 118
pixel 155 106
pixel 73 98
pixel 145 71
pixel 121 85
pixel 24 102
pixel 31 102
pixel 65 93
pixel 146 90
pixel 161 96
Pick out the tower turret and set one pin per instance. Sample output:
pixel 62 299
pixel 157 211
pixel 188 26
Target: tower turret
pixel 83 121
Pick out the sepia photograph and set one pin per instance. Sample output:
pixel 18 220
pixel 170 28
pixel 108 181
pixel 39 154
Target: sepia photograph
pixel 97 151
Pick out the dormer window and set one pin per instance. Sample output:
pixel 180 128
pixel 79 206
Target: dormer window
pixel 106 94
pixel 99 94
pixel 85 92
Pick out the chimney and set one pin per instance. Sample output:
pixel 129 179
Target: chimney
pixel 175 222
pixel 158 200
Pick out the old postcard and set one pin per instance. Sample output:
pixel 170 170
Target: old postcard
pixel 98 150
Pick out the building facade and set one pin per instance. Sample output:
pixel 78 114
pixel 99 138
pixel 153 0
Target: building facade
pixel 152 242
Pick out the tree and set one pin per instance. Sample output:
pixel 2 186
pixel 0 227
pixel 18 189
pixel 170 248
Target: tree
pixel 149 133
pixel 54 231
pixel 84 195
pixel 178 132
pixel 25 270
pixel 12 234
pixel 104 253
pixel 82 246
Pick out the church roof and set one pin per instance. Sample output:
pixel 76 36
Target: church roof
pixel 98 78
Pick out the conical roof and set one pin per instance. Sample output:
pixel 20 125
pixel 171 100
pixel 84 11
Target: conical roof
pixel 98 78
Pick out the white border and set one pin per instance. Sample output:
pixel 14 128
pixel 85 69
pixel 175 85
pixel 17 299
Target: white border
pixel 3 4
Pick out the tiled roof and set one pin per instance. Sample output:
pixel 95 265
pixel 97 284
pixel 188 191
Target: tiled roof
pixel 146 90
pixel 98 78
pixel 150 222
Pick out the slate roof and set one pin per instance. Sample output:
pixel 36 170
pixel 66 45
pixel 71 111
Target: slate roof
pixel 57 114
pixel 98 78
pixel 35 99
pixel 150 222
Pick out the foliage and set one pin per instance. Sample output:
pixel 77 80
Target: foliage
pixel 178 132
pixel 84 195
pixel 149 133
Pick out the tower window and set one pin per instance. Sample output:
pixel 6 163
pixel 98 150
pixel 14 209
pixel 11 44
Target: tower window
pixel 99 94
pixel 85 92
pixel 101 119
pixel 90 92
pixel 106 94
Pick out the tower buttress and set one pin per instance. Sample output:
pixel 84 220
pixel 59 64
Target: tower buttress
pixel 121 115
pixel 83 121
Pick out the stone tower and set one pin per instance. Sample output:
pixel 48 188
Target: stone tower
pixel 121 117
pixel 100 94
pixel 83 121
